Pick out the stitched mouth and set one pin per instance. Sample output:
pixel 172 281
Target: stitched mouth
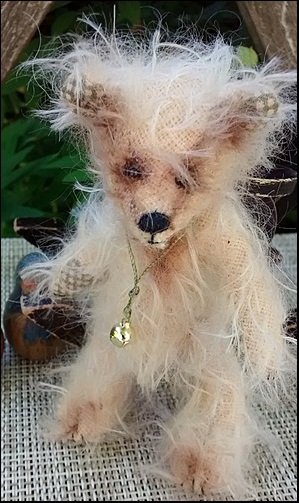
pixel 153 242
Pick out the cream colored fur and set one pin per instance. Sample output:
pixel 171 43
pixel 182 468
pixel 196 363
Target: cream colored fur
pixel 209 314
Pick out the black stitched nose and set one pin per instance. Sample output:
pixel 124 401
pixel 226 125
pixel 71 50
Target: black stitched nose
pixel 153 222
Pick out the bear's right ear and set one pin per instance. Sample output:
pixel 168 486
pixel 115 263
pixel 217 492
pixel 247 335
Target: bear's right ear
pixel 88 99
pixel 240 115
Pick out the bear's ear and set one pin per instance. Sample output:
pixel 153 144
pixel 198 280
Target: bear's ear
pixel 263 104
pixel 89 99
pixel 236 118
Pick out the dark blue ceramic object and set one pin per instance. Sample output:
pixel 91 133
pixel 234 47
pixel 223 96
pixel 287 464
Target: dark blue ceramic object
pixel 39 332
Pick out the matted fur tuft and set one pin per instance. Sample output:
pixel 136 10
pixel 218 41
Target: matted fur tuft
pixel 172 129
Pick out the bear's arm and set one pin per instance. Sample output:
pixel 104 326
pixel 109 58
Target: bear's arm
pixel 247 279
pixel 82 261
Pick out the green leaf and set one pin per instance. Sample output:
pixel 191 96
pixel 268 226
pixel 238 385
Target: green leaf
pixel 13 133
pixel 77 175
pixel 8 175
pixel 14 103
pixel 12 209
pixel 7 230
pixel 63 23
pixel 15 175
pixel 248 56
pixel 50 162
pixel 37 133
pixel 128 12
pixel 14 82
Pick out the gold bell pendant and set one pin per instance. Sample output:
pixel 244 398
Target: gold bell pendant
pixel 121 334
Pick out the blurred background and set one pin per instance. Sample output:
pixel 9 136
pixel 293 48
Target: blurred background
pixel 39 169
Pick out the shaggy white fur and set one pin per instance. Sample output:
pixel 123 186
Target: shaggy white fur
pixel 173 130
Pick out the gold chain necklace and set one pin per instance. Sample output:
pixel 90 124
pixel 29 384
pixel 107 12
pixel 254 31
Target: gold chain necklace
pixel 121 334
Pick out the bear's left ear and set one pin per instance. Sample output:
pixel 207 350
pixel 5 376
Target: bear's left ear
pixel 236 118
pixel 263 105
pixel 89 99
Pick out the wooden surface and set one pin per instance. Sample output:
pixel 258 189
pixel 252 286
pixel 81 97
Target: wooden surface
pixel 19 21
pixel 273 28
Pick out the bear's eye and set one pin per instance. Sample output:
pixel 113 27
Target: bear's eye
pixel 132 170
pixel 182 184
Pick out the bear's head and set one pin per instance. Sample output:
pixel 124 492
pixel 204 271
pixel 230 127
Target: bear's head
pixel 172 129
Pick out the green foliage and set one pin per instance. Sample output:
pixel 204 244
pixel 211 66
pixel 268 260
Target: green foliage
pixel 248 56
pixel 129 12
pixel 38 169
pixel 34 169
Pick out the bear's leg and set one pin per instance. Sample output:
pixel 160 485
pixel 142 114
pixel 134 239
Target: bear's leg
pixel 209 440
pixel 96 396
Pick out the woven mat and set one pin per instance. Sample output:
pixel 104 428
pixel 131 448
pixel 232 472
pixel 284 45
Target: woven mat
pixel 36 470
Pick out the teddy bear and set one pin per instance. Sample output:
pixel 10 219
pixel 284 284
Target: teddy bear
pixel 168 268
